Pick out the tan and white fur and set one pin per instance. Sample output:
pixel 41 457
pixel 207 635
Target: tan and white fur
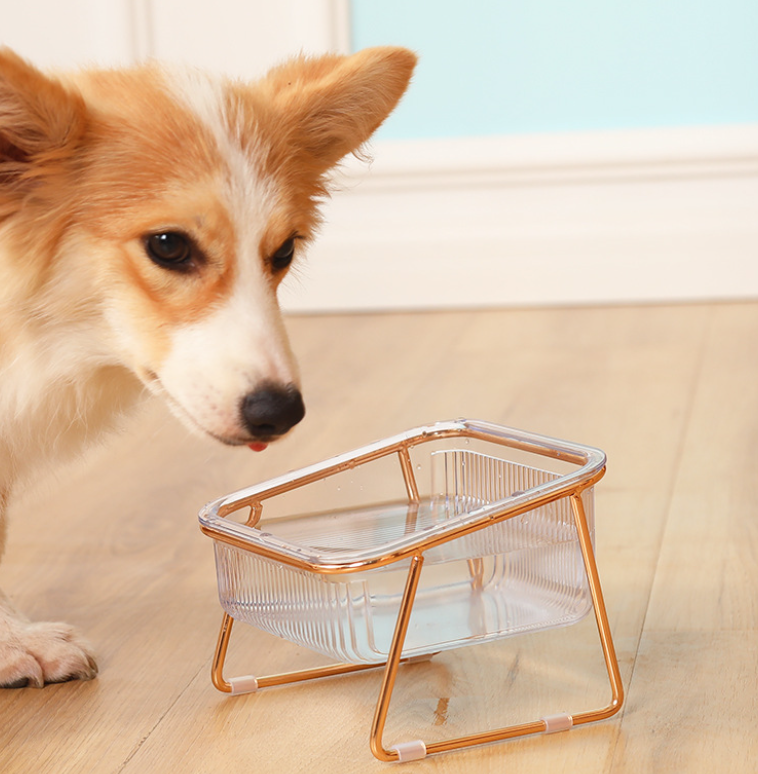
pixel 147 217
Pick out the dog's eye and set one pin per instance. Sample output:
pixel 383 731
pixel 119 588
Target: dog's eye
pixel 282 258
pixel 170 250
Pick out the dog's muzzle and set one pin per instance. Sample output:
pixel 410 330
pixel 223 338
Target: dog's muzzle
pixel 272 410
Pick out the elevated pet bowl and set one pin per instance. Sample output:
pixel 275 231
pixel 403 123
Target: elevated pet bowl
pixel 501 521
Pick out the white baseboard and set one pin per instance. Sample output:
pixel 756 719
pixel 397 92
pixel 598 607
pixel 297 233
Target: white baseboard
pixel 612 217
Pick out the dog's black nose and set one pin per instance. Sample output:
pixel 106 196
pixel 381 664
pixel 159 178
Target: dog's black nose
pixel 272 410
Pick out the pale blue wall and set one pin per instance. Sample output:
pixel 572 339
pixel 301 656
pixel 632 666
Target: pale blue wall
pixel 521 66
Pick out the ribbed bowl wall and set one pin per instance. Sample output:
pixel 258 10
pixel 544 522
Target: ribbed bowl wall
pixel 464 481
pixel 523 574
pixel 303 607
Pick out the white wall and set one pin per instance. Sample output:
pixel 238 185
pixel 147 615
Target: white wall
pixel 617 217
pixel 239 37
pixel 61 34
pixel 600 217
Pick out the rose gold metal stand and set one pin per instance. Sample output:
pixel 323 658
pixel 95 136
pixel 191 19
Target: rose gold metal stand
pixel 418 749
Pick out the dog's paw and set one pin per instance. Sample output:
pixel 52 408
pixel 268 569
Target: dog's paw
pixel 32 654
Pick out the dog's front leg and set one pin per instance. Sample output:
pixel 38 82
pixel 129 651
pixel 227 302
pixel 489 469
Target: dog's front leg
pixel 37 653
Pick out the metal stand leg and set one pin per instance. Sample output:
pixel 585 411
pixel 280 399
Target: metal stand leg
pixel 601 616
pixel 560 722
pixel 250 683
pixel 393 661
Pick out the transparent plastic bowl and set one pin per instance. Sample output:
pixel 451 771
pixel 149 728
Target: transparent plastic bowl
pixel 327 569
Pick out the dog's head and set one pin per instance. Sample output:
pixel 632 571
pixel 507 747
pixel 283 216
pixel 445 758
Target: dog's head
pixel 161 209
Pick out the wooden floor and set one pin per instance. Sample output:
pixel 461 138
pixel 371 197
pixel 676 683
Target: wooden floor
pixel 670 393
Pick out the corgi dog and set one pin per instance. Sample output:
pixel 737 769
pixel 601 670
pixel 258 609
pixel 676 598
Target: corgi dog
pixel 147 217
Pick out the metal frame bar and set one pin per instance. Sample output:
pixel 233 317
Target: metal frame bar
pixel 391 667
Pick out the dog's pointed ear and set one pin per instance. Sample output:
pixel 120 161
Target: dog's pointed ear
pixel 40 123
pixel 329 106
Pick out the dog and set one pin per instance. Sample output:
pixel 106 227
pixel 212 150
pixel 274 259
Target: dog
pixel 147 217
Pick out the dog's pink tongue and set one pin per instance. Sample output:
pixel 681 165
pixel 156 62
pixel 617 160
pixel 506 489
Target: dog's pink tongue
pixel 258 446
